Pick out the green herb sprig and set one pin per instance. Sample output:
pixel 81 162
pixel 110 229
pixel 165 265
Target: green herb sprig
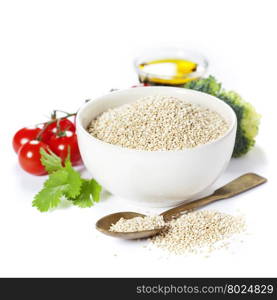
pixel 64 181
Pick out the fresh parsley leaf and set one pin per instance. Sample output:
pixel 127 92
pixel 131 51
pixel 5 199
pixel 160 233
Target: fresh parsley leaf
pixel 58 178
pixel 50 196
pixel 64 181
pixel 74 180
pixel 50 161
pixel 90 192
pixel 47 198
pixel 96 188
pixel 84 199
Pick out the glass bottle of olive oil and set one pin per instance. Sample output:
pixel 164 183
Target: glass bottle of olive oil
pixel 172 67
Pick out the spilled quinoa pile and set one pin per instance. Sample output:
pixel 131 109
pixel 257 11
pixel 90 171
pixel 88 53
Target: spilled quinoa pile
pixel 157 123
pixel 191 233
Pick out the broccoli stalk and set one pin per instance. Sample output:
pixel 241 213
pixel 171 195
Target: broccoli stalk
pixel 247 117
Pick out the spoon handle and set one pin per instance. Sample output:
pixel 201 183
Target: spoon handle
pixel 235 187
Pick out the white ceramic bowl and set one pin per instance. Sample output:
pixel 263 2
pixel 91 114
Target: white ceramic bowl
pixel 158 178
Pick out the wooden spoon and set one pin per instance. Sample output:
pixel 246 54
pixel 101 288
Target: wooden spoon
pixel 235 187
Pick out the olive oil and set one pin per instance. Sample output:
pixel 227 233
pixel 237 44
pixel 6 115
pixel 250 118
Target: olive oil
pixel 171 71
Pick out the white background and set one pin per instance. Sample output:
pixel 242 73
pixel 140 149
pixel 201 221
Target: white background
pixel 56 54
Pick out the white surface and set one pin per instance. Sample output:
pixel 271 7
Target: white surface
pixel 56 54
pixel 155 178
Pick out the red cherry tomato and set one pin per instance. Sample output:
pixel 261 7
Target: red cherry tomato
pixel 51 130
pixel 29 157
pixel 60 144
pixel 23 136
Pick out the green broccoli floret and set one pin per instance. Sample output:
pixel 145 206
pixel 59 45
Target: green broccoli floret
pixel 248 118
pixel 248 122
pixel 206 85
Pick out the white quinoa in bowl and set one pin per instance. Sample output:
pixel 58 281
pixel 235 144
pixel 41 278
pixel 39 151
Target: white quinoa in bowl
pixel 158 123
